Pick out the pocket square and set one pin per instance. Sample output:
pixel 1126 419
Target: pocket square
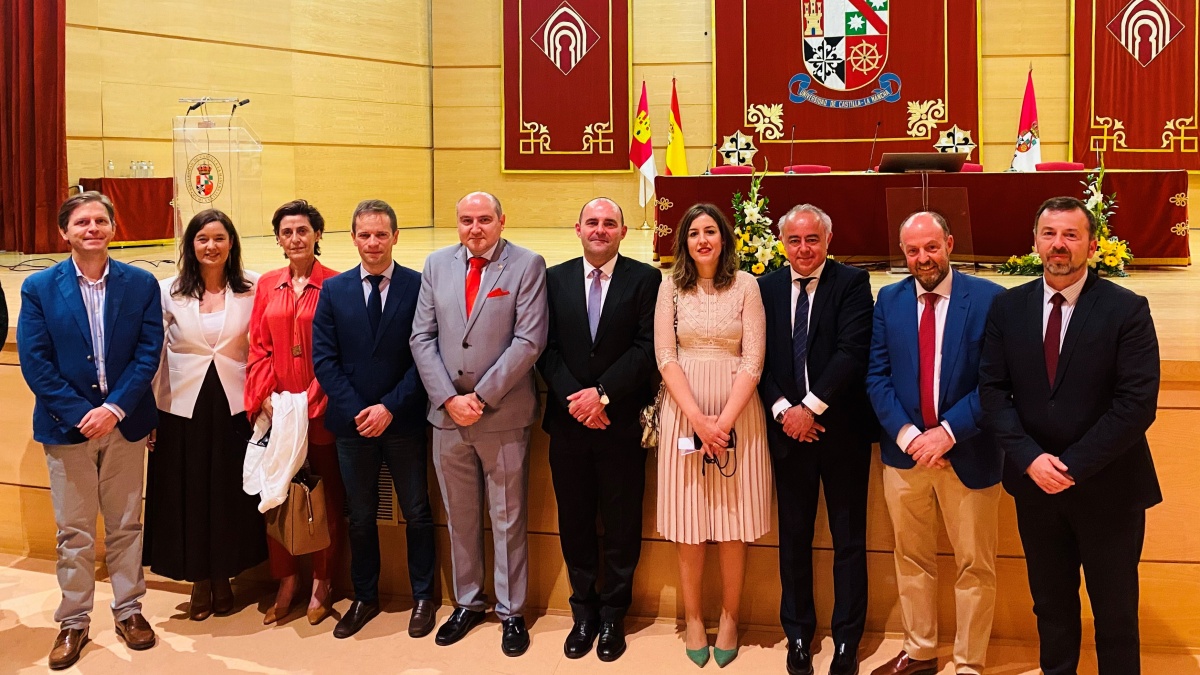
pixel 497 293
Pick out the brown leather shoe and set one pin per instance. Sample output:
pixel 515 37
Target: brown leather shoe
pixel 67 647
pixel 903 664
pixel 200 605
pixel 136 633
pixel 222 597
pixel 424 616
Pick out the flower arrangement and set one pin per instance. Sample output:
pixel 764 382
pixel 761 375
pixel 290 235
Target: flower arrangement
pixel 1112 254
pixel 759 250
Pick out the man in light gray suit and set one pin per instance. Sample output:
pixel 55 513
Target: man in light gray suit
pixel 480 326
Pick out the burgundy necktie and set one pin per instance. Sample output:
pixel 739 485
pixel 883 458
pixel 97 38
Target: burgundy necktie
pixel 474 275
pixel 1053 334
pixel 927 336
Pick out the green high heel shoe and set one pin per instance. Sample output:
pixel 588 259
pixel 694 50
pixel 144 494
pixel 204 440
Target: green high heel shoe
pixel 698 656
pixel 724 656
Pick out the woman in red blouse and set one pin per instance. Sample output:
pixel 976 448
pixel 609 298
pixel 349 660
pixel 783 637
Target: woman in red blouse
pixel 281 361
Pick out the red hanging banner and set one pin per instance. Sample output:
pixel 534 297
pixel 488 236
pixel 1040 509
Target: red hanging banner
pixel 566 85
pixel 812 81
pixel 1135 95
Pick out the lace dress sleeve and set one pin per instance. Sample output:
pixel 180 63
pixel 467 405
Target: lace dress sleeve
pixel 666 346
pixel 754 327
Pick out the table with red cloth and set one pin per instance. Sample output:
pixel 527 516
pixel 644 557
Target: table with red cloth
pixel 1151 215
pixel 143 207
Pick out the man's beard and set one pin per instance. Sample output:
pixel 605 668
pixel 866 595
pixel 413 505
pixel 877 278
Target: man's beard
pixel 931 277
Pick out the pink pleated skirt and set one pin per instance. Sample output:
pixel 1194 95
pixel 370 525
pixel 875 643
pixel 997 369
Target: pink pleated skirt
pixel 696 506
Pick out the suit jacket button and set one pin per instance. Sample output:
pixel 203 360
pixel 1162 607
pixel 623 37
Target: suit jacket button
pixel 460 372
pixel 95 386
pixel 465 345
pixel 592 354
pixel 90 357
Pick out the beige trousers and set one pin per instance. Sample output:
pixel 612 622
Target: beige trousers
pixel 914 496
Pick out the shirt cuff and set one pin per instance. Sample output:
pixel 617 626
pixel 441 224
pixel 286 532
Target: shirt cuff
pixel 781 405
pixel 114 409
pixel 908 434
pixel 816 405
pixel 946 426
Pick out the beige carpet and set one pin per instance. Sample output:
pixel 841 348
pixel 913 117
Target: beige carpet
pixel 241 644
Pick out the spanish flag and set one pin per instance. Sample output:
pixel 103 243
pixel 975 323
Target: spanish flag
pixel 641 151
pixel 676 155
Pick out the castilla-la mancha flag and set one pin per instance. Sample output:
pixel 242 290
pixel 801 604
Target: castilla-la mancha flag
pixel 1029 142
pixel 676 153
pixel 641 152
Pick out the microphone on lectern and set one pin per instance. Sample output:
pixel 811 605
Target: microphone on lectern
pixel 871 159
pixel 791 151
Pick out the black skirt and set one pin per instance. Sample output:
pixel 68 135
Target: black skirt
pixel 199 523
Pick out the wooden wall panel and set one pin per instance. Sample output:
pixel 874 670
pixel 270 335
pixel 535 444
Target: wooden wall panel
pixel 85 159
pixel 27 527
pixel 466 33
pixel 681 34
pixel 388 30
pixel 83 82
pixel 1025 27
pixel 261 23
pixel 82 12
pixel 337 178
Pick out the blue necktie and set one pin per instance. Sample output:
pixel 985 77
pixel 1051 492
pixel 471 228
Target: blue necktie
pixel 595 295
pixel 375 302
pixel 800 337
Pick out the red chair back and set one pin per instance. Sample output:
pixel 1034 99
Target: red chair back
pixel 727 169
pixel 972 168
pixel 1060 166
pixel 807 168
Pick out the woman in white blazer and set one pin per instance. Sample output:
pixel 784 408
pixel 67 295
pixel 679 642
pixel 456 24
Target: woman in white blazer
pixel 200 526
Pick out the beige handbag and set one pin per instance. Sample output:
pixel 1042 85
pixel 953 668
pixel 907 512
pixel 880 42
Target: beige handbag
pixel 299 523
pixel 650 415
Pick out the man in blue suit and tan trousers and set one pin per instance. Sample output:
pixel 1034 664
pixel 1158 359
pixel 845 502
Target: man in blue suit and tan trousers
pixel 89 336
pixel 923 381
pixel 377 411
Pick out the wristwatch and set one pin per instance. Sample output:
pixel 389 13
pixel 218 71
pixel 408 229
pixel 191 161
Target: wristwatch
pixel 603 394
pixel 780 414
pixel 480 398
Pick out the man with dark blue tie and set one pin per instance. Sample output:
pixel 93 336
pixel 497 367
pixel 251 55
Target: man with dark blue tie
pixel 90 335
pixel 377 411
pixel 818 335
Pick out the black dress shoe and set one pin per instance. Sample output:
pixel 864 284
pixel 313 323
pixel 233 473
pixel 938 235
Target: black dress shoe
pixel 799 658
pixel 461 621
pixel 612 641
pixel 354 619
pixel 579 640
pixel 516 638
pixel 845 661
pixel 424 616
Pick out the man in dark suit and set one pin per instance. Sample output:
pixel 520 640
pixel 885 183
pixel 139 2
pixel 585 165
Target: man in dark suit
pixel 813 384
pixel 600 369
pixel 1069 384
pixel 90 335
pixel 923 382
pixel 377 411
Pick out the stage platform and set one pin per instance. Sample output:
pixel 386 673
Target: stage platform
pixel 1171 290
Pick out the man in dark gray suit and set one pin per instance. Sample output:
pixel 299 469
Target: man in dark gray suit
pixel 480 326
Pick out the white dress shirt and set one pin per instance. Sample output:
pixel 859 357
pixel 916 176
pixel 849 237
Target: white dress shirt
pixel 383 285
pixel 909 432
pixel 606 272
pixel 810 401
pixel 1070 297
pixel 94 294
pixel 486 255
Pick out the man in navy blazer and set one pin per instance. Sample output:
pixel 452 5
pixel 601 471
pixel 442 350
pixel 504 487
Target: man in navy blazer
pixel 377 411
pixel 923 380
pixel 89 337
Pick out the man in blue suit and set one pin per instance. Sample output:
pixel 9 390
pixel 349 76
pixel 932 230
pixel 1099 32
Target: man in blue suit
pixel 923 382
pixel 89 337
pixel 377 411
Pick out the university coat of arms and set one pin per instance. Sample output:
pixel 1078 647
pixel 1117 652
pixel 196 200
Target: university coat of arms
pixel 845 48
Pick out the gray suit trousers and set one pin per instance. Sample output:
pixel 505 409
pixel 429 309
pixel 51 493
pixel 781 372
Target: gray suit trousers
pixel 471 467
pixel 100 476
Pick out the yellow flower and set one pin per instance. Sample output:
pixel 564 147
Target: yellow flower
pixel 1110 261
pixel 758 268
pixel 1013 260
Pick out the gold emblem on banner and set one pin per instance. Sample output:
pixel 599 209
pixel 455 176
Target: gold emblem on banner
pixel 924 116
pixel 594 140
pixel 955 140
pixel 767 120
pixel 663 203
pixel 539 138
pixel 1180 229
pixel 1109 129
pixel 1180 199
pixel 1176 134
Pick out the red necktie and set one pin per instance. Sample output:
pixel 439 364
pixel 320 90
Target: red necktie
pixel 1053 334
pixel 927 348
pixel 473 276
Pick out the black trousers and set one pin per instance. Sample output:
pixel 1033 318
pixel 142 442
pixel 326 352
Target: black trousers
pixel 1060 537
pixel 843 469
pixel 407 457
pixel 599 473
